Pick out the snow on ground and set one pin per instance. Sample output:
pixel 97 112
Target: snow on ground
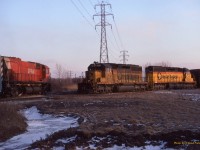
pixel 147 147
pixel 163 92
pixel 193 97
pixel 123 147
pixel 39 125
pixel 95 140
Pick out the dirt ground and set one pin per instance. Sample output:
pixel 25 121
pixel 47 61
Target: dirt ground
pixel 130 118
pixel 11 121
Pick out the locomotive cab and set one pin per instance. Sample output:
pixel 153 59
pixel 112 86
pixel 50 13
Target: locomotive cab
pixel 99 73
pixel 99 78
pixel 187 77
pixel 45 73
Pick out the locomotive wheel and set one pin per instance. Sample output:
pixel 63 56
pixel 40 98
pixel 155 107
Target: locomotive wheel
pixel 14 91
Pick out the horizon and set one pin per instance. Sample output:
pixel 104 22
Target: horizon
pixel 52 32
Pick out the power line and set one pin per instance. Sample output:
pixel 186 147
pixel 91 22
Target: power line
pixel 118 34
pixel 114 45
pixel 79 10
pixel 82 13
pixel 85 8
pixel 91 3
pixel 107 1
pixel 115 40
pixel 114 58
pixel 98 1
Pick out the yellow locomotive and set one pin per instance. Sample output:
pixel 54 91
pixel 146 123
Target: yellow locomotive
pixel 110 77
pixel 159 77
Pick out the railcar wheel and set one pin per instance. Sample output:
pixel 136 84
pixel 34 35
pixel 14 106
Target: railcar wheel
pixel 14 92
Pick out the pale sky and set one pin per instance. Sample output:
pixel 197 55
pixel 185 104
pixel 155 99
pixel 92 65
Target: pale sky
pixel 54 31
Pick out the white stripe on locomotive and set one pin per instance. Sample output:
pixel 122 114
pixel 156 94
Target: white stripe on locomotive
pixel 7 62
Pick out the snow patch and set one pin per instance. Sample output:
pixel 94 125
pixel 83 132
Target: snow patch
pixel 68 140
pixel 123 147
pixel 163 92
pixel 193 97
pixel 92 144
pixel 39 126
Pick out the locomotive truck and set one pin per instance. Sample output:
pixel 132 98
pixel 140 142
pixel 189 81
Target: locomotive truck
pixel 21 77
pixel 110 77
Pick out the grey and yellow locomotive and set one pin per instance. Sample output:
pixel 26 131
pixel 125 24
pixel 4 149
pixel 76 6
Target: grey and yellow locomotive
pixel 159 77
pixel 110 77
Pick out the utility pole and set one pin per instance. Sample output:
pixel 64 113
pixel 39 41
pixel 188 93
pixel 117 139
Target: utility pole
pixel 103 24
pixel 124 55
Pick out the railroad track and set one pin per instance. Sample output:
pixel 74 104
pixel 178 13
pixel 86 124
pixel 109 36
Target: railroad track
pixel 25 98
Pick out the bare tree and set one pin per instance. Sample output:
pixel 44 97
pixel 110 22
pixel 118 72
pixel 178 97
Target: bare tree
pixel 59 72
pixel 147 64
pixel 164 64
pixel 66 76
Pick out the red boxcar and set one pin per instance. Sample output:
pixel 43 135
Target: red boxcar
pixel 19 76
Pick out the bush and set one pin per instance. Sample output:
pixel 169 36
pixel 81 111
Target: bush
pixel 11 121
pixel 63 85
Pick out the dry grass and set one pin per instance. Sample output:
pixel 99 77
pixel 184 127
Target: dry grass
pixel 163 115
pixel 71 87
pixel 11 121
pixel 133 113
pixel 63 85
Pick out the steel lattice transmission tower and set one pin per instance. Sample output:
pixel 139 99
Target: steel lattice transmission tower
pixel 103 46
pixel 124 55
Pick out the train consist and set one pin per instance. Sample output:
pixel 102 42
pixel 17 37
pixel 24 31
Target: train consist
pixel 110 77
pixel 21 77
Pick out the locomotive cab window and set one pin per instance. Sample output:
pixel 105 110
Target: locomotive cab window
pixel 38 66
pixel 108 69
